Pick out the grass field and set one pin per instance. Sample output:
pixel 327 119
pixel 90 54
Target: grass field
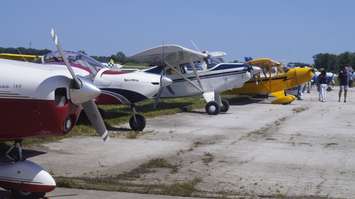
pixel 115 115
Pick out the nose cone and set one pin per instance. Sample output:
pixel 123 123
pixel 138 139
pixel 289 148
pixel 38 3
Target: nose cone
pixel 306 73
pixel 165 81
pixel 302 75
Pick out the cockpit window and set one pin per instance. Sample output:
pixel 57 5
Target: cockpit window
pixel 187 68
pixel 75 58
pixel 213 61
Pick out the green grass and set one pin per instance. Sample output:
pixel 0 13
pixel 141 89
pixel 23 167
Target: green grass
pixel 118 114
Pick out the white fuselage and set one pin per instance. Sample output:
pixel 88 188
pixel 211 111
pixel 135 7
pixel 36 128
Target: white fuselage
pixel 212 80
pixel 131 85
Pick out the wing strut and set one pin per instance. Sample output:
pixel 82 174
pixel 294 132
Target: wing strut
pixel 183 76
pixel 195 72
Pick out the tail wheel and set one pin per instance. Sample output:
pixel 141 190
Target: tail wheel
pixel 212 108
pixel 225 106
pixel 27 195
pixel 137 124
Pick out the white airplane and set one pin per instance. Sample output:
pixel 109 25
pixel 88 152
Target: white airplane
pixel 196 73
pixel 117 86
pixel 38 100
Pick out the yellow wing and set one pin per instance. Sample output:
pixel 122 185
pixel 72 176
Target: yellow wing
pixel 20 57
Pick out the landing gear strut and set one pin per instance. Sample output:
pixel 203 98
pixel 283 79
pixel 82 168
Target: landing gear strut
pixel 137 121
pixel 18 154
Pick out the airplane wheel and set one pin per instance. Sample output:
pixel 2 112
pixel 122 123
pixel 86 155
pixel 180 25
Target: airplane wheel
pixel 27 195
pixel 138 124
pixel 212 108
pixel 225 106
pixel 102 112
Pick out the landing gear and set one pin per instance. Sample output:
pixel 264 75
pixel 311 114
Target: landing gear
pixel 225 105
pixel 212 108
pixel 137 121
pixel 18 154
pixel 27 195
pixel 14 154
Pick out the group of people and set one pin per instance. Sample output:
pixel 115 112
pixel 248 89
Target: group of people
pixel 344 79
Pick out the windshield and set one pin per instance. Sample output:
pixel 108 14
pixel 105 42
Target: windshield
pixel 213 61
pixel 76 59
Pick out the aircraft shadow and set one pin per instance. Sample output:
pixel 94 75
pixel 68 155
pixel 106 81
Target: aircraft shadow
pixel 145 108
pixel 5 194
pixel 243 100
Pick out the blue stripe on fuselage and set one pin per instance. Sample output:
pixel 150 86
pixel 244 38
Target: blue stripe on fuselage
pixel 213 75
pixel 132 96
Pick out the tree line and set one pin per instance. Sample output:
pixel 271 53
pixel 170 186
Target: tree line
pixel 328 61
pixel 26 51
pixel 119 57
pixel 334 62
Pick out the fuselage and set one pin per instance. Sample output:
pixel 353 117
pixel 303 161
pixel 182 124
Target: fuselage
pixel 135 86
pixel 34 100
pixel 221 77
pixel 283 81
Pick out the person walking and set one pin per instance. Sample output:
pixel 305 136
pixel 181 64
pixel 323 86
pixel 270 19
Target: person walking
pixel 322 84
pixel 343 78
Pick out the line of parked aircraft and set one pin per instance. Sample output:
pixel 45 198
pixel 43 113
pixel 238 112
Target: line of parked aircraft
pixel 45 99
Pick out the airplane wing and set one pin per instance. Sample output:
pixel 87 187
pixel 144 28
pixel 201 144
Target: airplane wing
pixel 172 54
pixel 264 62
pixel 19 57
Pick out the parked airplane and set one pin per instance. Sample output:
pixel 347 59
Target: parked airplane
pixel 38 100
pixel 274 83
pixel 117 86
pixel 195 73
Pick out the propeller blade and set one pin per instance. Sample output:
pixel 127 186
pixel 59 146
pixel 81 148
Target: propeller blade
pixel 157 98
pixel 82 93
pixel 95 118
pixel 195 46
pixel 61 52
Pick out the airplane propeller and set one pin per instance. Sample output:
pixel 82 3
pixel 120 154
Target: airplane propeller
pixel 82 92
pixel 164 82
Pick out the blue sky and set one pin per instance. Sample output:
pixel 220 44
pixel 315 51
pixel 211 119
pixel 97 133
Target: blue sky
pixel 287 30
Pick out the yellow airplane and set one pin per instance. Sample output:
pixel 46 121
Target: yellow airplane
pixel 20 57
pixel 274 84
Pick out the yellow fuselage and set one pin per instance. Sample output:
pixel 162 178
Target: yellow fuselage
pixel 283 81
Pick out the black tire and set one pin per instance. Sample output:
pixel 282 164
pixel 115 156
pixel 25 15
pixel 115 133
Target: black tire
pixel 225 106
pixel 16 194
pixel 138 124
pixel 102 112
pixel 212 108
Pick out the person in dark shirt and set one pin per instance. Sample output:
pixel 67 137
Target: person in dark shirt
pixel 343 78
pixel 322 82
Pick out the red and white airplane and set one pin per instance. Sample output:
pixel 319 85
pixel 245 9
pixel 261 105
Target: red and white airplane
pixel 39 100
